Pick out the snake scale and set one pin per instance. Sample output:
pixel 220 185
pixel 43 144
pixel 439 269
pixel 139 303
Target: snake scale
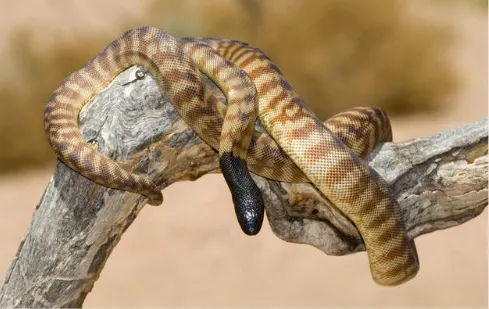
pixel 297 148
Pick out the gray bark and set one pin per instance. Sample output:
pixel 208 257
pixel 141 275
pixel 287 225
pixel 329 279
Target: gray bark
pixel 440 182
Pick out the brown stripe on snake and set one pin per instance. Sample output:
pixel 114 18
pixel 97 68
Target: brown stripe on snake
pixel 236 133
pixel 361 127
pixel 177 75
pixel 343 177
pixel 264 149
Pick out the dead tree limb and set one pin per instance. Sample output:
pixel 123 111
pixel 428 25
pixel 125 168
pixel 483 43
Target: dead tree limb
pixel 440 182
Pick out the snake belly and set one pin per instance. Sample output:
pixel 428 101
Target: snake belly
pixel 339 174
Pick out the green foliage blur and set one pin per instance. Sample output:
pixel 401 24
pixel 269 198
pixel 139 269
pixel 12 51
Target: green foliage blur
pixel 335 53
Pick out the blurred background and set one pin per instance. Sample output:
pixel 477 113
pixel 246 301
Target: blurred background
pixel 423 61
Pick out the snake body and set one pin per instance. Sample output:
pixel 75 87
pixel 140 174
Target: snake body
pixel 328 155
pixel 344 178
pixel 178 76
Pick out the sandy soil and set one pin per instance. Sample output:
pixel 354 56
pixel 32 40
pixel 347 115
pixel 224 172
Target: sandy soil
pixel 191 253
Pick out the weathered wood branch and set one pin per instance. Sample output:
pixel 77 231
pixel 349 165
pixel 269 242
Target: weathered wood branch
pixel 440 182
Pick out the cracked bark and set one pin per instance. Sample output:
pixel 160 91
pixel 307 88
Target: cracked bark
pixel 440 182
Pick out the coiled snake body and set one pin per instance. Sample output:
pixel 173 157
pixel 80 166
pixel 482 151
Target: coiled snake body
pixel 305 149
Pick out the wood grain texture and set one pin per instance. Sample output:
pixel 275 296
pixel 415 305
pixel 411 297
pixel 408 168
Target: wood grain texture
pixel 440 182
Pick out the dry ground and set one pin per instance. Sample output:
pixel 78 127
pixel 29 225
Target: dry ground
pixel 191 253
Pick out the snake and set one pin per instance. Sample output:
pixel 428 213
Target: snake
pixel 296 147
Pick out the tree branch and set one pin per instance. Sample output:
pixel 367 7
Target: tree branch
pixel 440 182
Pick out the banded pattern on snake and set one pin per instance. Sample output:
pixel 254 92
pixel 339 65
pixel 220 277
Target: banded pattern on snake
pixel 305 149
